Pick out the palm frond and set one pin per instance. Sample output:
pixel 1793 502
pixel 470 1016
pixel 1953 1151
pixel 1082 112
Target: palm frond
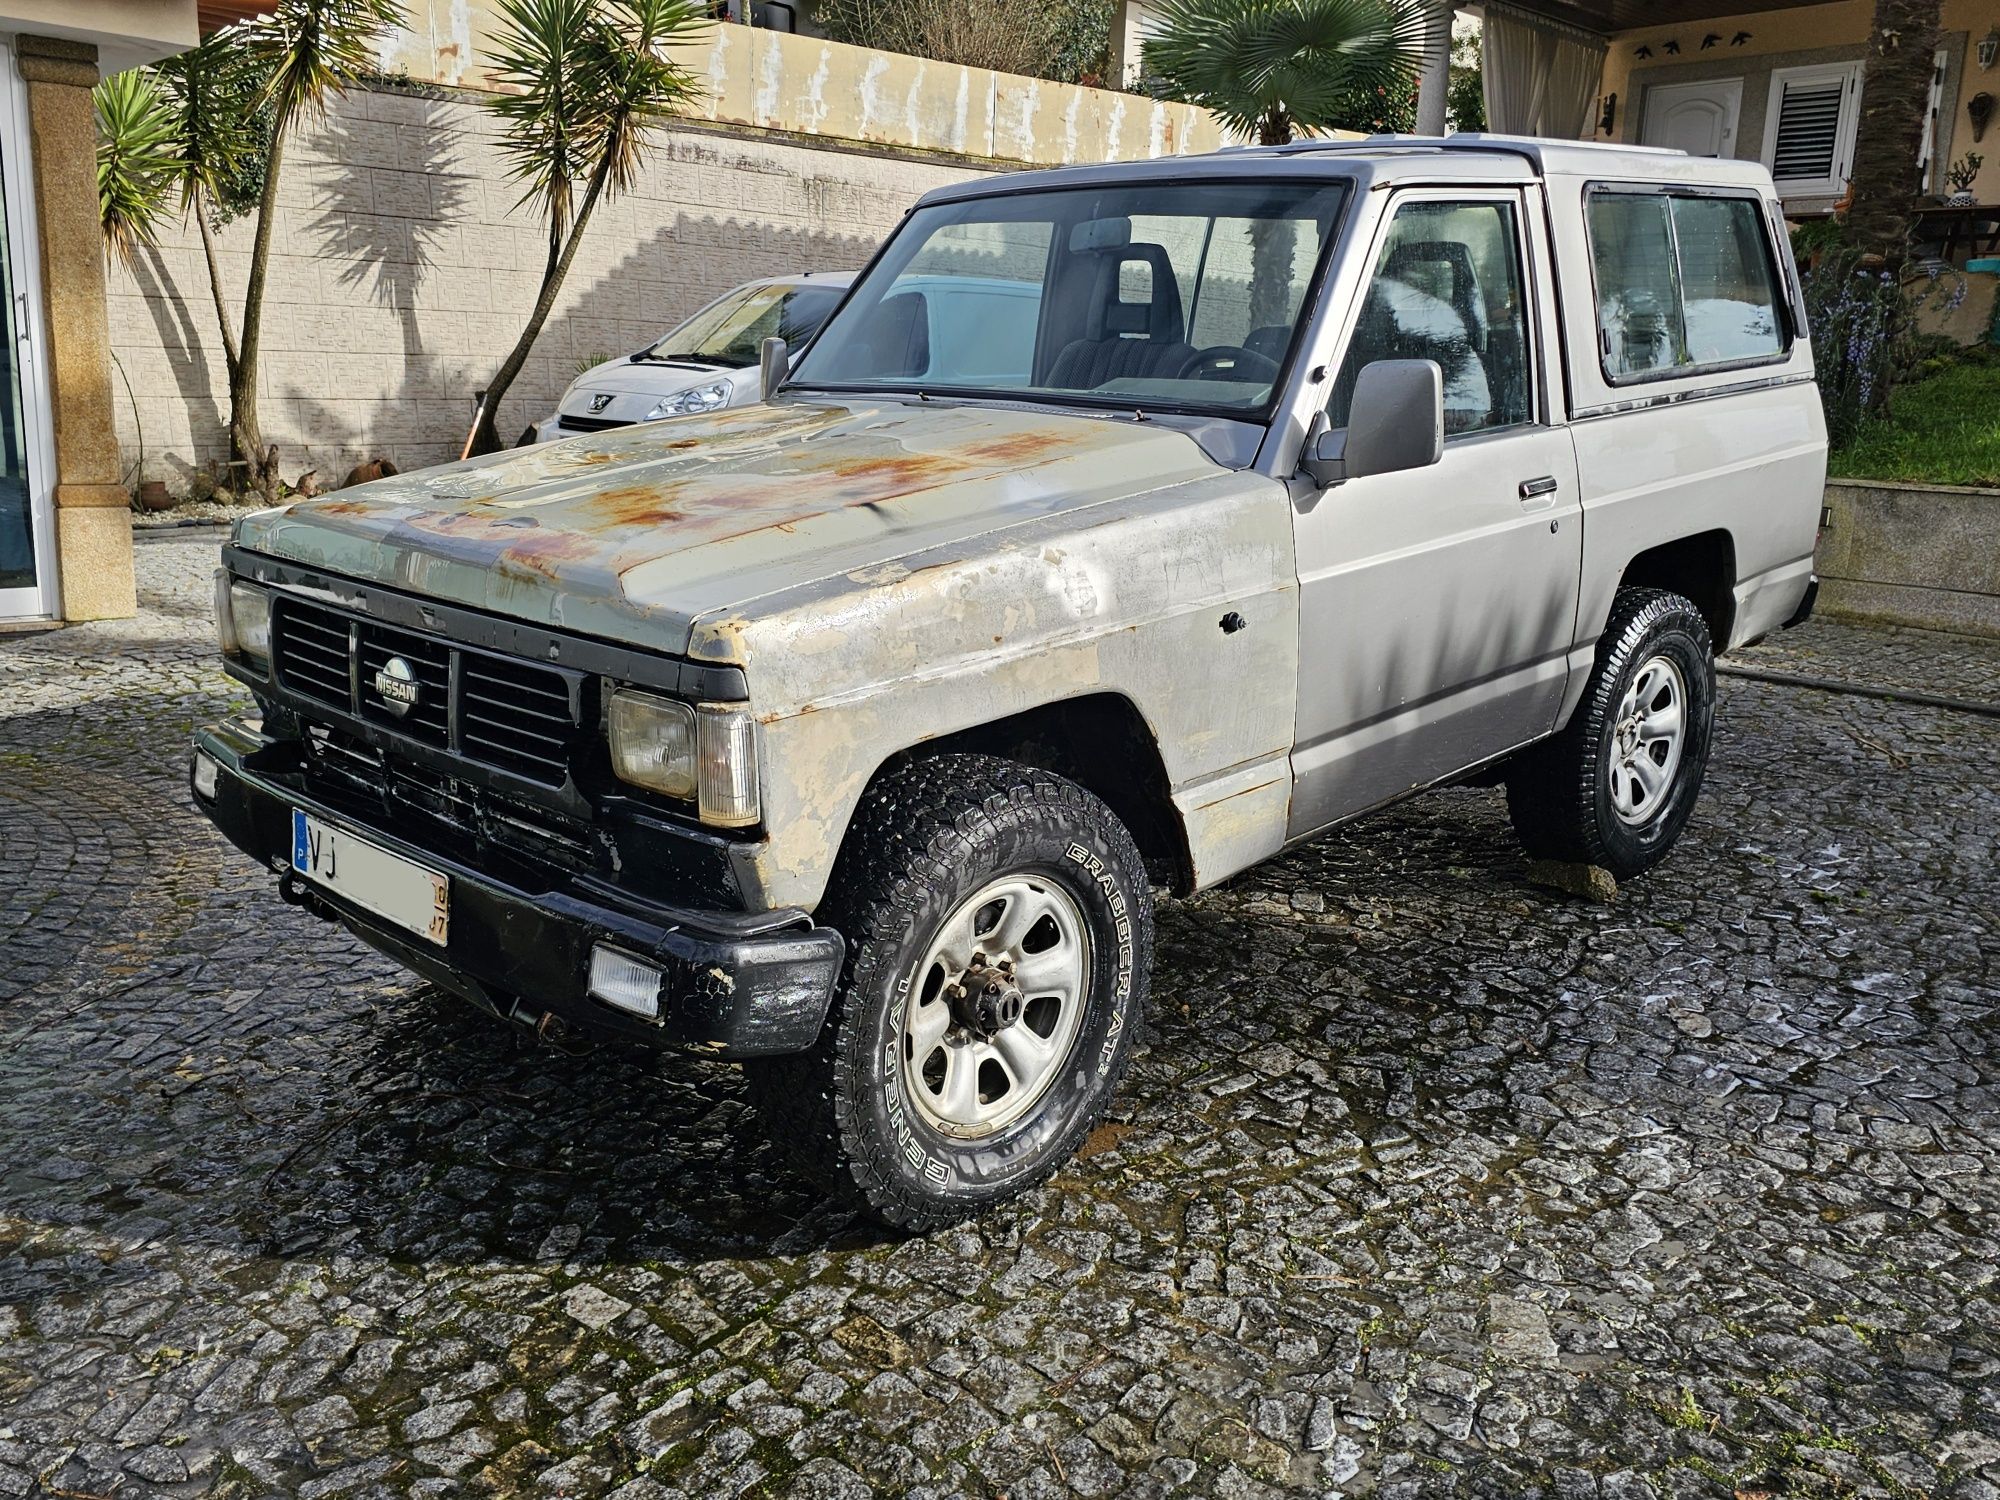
pixel 1252 61
pixel 313 49
pixel 636 77
pixel 581 77
pixel 212 93
pixel 135 159
pixel 538 53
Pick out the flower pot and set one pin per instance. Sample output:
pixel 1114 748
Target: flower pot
pixel 153 495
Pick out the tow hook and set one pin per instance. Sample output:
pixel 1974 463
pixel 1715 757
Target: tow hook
pixel 294 892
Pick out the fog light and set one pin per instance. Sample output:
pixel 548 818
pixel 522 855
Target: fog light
pixel 619 979
pixel 205 773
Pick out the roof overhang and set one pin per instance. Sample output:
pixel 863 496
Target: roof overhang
pixel 124 32
pixel 1608 16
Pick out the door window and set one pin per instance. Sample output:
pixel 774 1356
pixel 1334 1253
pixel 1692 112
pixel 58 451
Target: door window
pixel 1448 287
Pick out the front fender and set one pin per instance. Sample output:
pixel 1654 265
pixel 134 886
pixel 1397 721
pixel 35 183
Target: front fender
pixel 1184 601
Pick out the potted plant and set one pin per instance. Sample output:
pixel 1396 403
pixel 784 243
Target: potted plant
pixel 1958 177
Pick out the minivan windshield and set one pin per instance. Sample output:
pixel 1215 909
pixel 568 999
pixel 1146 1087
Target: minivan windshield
pixel 1171 296
pixel 732 331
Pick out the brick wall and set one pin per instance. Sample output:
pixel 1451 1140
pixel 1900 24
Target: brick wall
pixel 402 272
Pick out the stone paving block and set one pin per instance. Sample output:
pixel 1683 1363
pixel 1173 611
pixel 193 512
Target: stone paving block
pixel 1425 1184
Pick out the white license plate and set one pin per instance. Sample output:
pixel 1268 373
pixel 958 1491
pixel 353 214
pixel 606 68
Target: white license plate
pixel 372 878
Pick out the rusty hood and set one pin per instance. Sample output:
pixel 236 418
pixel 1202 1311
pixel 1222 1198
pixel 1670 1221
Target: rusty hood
pixel 635 533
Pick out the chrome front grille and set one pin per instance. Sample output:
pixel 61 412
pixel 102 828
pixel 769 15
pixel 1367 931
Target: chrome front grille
pixel 499 711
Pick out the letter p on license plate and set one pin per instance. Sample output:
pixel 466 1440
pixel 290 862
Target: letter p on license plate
pixel 369 876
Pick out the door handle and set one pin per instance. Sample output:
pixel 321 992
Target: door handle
pixel 1538 494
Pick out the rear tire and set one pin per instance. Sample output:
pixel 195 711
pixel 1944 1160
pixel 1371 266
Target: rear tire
pixel 1617 785
pixel 967 876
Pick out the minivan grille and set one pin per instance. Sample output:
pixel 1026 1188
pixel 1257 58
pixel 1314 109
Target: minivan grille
pixel 499 711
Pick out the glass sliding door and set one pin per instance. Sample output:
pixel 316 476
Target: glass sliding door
pixel 27 539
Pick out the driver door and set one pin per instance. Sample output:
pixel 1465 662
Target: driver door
pixel 1438 605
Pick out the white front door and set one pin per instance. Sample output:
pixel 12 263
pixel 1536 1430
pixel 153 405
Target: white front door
pixel 27 456
pixel 1698 118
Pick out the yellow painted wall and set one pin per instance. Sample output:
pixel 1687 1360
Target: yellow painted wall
pixel 125 32
pixel 1803 29
pixel 776 81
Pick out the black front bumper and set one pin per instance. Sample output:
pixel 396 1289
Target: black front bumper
pixel 734 984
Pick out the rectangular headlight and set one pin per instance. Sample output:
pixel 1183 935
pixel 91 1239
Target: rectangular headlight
pixel 250 609
pixel 225 621
pixel 652 742
pixel 242 619
pixel 727 740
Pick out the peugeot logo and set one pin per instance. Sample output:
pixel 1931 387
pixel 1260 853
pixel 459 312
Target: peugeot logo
pixel 599 402
pixel 396 686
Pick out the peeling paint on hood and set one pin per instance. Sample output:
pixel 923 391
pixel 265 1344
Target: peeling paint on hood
pixel 631 534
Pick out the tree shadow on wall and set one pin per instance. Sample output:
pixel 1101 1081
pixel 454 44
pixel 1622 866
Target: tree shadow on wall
pixel 389 255
pixel 177 318
pixel 645 293
pixel 681 267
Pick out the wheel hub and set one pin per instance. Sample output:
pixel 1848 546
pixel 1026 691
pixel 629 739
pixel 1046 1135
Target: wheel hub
pixel 985 1000
pixel 995 1005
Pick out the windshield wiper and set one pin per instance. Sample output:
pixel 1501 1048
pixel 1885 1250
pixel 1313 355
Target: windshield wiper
pixel 653 357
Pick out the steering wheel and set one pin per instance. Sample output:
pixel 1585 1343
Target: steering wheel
pixel 1231 362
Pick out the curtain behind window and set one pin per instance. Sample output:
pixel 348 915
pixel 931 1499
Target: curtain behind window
pixel 1540 76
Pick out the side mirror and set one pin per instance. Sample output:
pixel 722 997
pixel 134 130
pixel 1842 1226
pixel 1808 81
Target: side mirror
pixel 1395 422
pixel 774 363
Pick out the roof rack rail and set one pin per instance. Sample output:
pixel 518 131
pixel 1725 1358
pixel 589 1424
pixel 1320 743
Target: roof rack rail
pixel 1529 148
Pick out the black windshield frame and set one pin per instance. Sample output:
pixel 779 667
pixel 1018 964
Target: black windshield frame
pixel 1334 195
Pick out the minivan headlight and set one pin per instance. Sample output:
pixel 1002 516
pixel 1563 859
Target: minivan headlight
pixel 706 753
pixel 701 398
pixel 242 620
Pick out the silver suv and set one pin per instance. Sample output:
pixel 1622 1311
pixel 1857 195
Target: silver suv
pixel 850 734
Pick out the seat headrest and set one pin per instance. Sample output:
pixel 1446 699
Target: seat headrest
pixel 1159 318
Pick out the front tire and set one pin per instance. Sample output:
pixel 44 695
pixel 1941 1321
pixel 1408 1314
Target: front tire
pixel 999 928
pixel 1617 785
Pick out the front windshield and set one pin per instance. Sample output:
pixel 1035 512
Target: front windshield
pixel 1172 296
pixel 732 331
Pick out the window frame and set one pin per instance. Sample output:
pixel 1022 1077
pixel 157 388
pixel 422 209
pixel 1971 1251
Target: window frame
pixel 1511 196
pixel 1789 329
pixel 1845 127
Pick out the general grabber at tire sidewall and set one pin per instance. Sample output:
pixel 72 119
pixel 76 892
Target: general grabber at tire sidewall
pixel 1661 653
pixel 1012 827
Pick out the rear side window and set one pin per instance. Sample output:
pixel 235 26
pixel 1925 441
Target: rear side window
pixel 1684 283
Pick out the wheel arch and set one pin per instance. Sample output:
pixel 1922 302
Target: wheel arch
pixel 1701 568
pixel 1102 742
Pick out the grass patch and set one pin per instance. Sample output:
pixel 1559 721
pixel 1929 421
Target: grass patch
pixel 1942 429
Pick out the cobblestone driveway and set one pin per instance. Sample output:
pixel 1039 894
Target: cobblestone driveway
pixel 1426 1183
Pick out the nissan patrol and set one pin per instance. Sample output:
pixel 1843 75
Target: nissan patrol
pixel 848 735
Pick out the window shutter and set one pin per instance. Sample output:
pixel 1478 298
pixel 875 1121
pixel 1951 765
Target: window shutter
pixel 1808 137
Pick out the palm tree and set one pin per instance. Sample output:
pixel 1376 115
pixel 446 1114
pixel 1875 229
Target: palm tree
pixel 221 139
pixel 135 159
pixel 307 51
pixel 584 76
pixel 1270 68
pixel 1894 95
